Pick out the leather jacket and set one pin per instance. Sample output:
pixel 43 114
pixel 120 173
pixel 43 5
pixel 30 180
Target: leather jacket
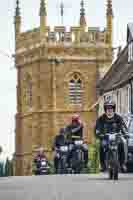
pixel 74 130
pixel 108 125
pixel 59 141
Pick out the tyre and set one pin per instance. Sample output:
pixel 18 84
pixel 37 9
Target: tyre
pixel 80 156
pixel 62 166
pixel 78 161
pixel 110 174
pixel 116 176
pixel 59 169
pixel 116 171
pixel 115 166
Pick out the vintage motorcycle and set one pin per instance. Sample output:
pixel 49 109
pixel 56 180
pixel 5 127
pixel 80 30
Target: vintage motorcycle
pixel 77 156
pixel 41 167
pixel 112 157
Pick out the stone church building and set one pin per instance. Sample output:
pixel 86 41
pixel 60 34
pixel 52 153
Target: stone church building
pixel 57 75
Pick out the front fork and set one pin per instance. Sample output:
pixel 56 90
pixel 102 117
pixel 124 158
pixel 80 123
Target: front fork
pixel 112 158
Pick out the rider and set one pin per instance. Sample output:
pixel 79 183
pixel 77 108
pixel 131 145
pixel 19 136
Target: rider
pixel 59 141
pixel 75 130
pixel 107 123
pixel 40 155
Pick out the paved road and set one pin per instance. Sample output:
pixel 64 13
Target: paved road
pixel 67 187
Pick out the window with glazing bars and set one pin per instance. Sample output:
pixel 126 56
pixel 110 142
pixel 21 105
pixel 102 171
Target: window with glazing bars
pixel 75 91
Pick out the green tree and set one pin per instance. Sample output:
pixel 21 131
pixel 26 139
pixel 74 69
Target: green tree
pixel 94 157
pixel 7 167
pixel 1 164
pixel 1 169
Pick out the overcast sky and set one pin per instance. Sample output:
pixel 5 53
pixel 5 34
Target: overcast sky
pixel 96 16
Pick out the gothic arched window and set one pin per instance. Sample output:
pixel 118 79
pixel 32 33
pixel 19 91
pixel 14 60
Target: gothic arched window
pixel 75 90
pixel 28 91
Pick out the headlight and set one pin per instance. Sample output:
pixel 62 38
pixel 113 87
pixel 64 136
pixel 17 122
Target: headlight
pixel 78 142
pixel 64 148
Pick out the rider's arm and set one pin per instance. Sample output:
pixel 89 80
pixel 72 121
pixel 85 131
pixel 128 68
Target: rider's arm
pixel 77 129
pixel 67 132
pixel 98 127
pixel 55 144
pixel 124 128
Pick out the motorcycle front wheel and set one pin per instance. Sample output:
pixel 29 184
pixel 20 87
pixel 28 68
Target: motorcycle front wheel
pixel 113 166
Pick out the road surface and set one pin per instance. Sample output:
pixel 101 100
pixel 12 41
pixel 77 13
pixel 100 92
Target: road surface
pixel 67 187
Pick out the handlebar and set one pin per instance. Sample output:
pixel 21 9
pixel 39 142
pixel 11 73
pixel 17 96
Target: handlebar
pixel 107 134
pixel 119 134
pixel 76 137
pixel 126 136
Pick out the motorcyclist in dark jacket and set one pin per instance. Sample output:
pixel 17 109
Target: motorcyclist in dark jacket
pixel 59 141
pixel 107 123
pixel 75 130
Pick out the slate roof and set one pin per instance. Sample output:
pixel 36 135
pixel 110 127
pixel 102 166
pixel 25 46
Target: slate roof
pixel 121 72
pixel 118 73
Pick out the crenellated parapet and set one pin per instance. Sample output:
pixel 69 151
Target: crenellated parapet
pixel 67 45
pixel 60 36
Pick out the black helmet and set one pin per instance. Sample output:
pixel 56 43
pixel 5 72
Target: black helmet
pixel 62 131
pixel 109 104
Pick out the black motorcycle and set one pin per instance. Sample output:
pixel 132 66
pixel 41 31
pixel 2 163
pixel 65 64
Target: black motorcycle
pixel 77 158
pixel 112 154
pixel 62 154
pixel 42 167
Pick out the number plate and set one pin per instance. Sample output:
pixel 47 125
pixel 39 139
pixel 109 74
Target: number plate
pixel 78 142
pixel 43 163
pixel 112 137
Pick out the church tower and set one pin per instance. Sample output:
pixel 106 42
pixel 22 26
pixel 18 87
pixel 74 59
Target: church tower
pixel 56 77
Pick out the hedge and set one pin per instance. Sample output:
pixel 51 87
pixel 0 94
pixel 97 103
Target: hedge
pixel 93 164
